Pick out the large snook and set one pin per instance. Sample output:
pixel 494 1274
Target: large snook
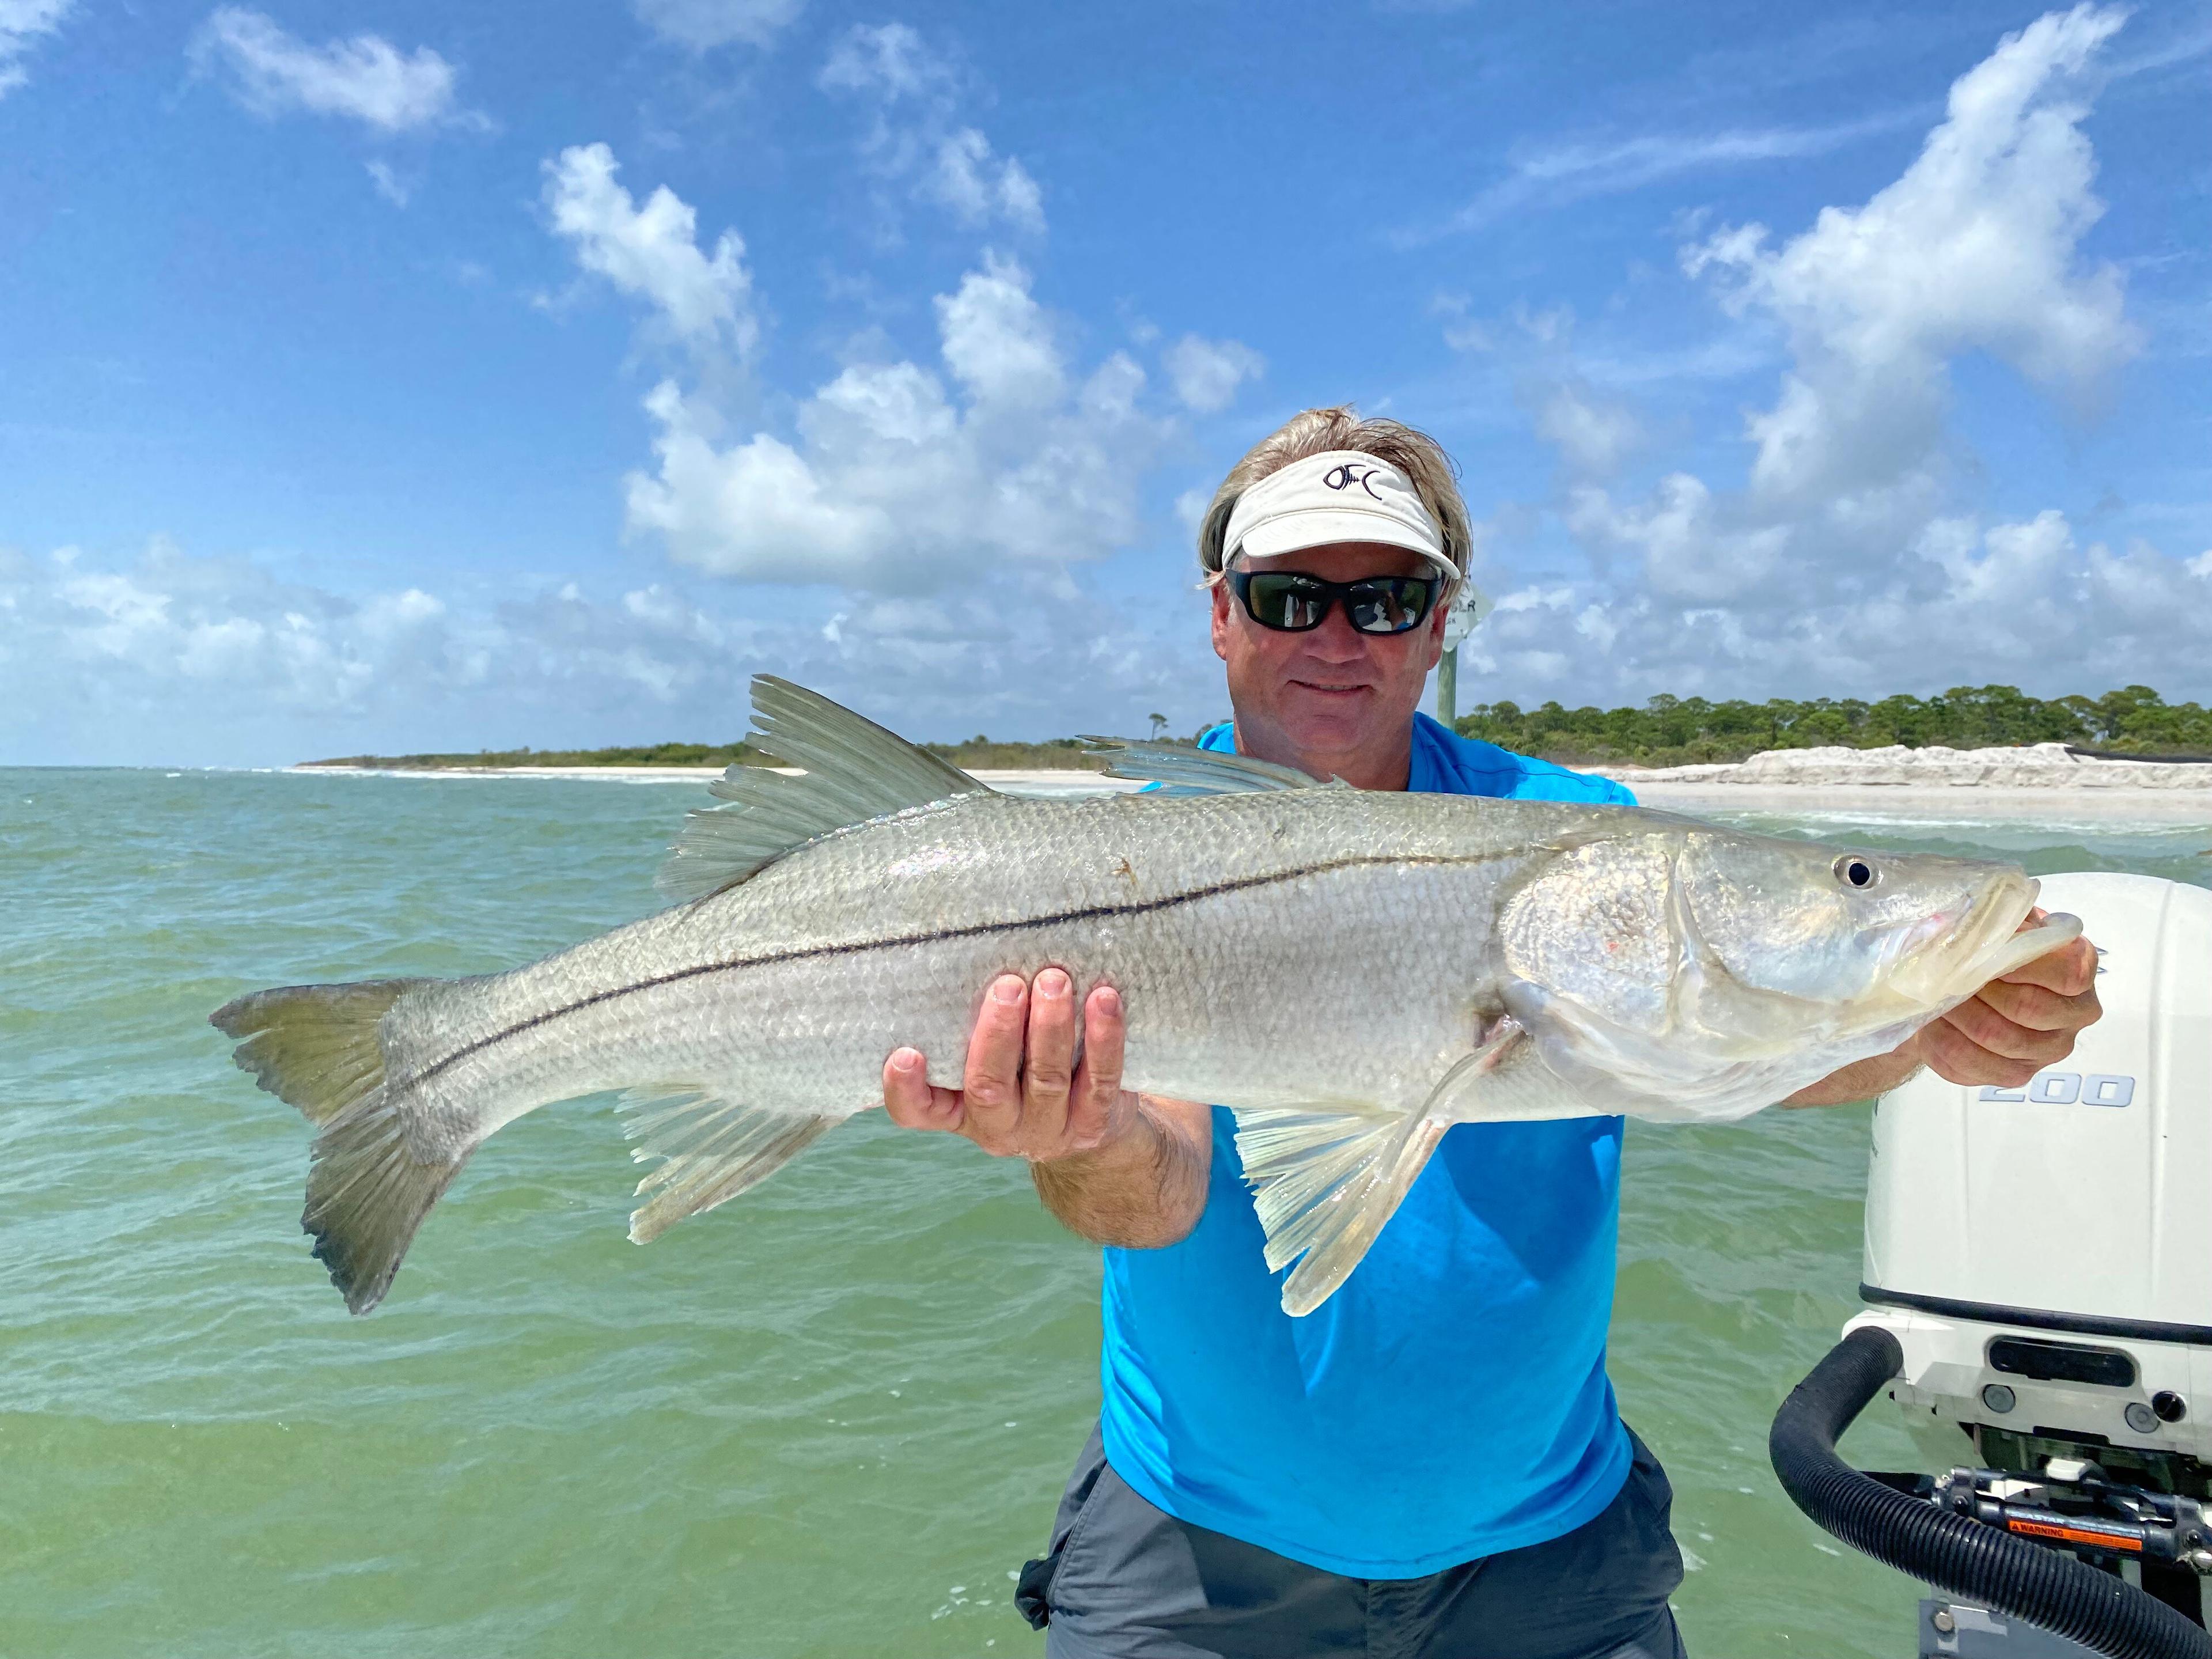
pixel 1353 972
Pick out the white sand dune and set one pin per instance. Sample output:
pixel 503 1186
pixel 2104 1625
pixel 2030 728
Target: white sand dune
pixel 2043 780
pixel 2038 781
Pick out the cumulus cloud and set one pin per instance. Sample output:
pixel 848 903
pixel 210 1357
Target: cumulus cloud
pixel 702 24
pixel 21 23
pixel 914 137
pixel 1206 374
pixel 365 78
pixel 652 252
pixel 1594 434
pixel 1852 556
pixel 900 482
pixel 170 657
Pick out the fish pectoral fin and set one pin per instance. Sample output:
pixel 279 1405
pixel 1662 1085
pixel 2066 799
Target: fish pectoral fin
pixel 1507 1081
pixel 1189 771
pixel 711 1149
pixel 1324 1180
pixel 853 770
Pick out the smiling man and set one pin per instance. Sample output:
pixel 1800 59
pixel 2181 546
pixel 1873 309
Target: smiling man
pixel 1431 1463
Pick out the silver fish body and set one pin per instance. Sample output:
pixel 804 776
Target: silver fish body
pixel 1353 972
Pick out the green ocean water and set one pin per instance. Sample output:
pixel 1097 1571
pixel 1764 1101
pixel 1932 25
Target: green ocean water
pixel 829 1419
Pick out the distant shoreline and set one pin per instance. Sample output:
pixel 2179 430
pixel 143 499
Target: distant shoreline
pixel 2043 781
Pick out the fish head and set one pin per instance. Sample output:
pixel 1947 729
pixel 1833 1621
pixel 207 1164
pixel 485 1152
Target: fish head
pixel 1715 971
pixel 1858 938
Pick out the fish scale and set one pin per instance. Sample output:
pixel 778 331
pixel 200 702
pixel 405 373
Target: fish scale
pixel 1353 972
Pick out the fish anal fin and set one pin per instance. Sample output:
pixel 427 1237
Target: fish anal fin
pixel 852 771
pixel 709 1149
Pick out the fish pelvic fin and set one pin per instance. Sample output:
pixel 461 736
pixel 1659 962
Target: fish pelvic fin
pixel 1325 1179
pixel 852 771
pixel 369 1186
pixel 709 1150
pixel 315 1047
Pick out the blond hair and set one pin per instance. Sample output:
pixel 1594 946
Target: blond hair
pixel 1317 431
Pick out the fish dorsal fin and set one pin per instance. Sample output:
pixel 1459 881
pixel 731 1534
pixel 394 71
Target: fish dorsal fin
pixel 1202 771
pixel 854 771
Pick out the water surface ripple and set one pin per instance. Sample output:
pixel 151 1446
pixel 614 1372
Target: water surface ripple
pixel 826 1420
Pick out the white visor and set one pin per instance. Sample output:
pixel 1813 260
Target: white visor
pixel 1340 495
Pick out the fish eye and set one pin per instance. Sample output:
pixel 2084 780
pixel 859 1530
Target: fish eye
pixel 1854 870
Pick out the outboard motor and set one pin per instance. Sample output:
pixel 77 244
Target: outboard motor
pixel 2039 1264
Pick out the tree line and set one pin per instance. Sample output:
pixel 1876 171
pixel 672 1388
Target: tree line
pixel 1676 731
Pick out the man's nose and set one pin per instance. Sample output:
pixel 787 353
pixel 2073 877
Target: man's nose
pixel 1336 640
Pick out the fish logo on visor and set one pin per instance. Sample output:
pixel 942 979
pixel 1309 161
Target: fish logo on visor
pixel 1344 474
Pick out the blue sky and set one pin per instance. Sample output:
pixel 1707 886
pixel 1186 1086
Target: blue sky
pixel 395 376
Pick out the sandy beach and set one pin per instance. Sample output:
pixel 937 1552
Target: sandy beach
pixel 1054 781
pixel 2041 781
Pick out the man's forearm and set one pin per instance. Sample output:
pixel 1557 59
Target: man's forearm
pixel 1863 1079
pixel 1143 1190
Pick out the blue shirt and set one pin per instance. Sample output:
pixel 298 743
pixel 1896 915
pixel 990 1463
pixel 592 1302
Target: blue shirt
pixel 1450 1401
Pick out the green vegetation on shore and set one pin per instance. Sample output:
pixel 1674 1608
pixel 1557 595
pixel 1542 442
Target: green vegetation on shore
pixel 976 754
pixel 1664 732
pixel 1683 731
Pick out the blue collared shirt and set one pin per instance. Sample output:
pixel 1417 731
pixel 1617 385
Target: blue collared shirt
pixel 1450 1401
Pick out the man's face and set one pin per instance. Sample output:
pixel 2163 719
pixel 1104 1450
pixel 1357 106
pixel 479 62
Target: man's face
pixel 1331 693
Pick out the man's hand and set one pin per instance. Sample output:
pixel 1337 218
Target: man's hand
pixel 1024 1094
pixel 2004 1034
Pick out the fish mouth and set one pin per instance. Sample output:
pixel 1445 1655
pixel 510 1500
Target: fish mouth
pixel 1943 959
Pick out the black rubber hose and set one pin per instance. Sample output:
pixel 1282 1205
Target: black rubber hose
pixel 1974 1562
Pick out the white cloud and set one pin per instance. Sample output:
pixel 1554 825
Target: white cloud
pixel 21 23
pixel 389 185
pixel 1853 558
pixel 1973 248
pixel 177 659
pixel 652 252
pixel 702 24
pixel 887 61
pixel 1593 435
pixel 1555 175
pixel 914 137
pixel 897 484
pixel 1207 372
pixel 365 78
pixel 2201 566
pixel 979 186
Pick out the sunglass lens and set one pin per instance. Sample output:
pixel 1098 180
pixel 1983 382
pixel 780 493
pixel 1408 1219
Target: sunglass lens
pixel 1387 605
pixel 1284 601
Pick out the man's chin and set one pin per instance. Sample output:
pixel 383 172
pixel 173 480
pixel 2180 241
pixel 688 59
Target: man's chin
pixel 1327 720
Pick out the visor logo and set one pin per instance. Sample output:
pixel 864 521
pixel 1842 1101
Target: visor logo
pixel 1344 474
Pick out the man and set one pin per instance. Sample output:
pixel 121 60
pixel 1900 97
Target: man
pixel 1431 1462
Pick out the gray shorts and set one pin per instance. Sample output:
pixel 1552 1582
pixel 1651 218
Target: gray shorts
pixel 1125 1580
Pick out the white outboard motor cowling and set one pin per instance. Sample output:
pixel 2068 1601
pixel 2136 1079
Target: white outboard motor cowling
pixel 2044 1254
pixel 2039 1264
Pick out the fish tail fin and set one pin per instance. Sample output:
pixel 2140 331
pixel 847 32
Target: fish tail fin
pixel 370 1185
pixel 319 1047
pixel 315 1047
pixel 1324 1183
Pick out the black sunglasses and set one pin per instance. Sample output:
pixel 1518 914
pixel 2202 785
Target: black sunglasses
pixel 1291 602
